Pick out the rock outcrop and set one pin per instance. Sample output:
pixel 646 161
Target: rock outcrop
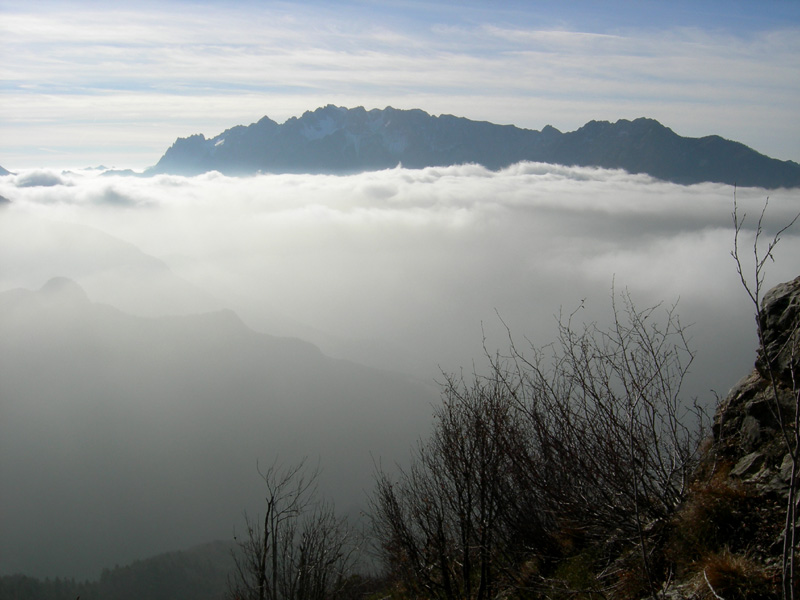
pixel 749 468
pixel 760 408
pixel 780 326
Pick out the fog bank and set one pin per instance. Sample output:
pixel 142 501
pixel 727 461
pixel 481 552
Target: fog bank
pixel 398 268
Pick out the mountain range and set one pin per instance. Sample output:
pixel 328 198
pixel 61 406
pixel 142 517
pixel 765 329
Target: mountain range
pixel 339 140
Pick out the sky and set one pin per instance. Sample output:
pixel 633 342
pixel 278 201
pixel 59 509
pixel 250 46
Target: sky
pixel 90 83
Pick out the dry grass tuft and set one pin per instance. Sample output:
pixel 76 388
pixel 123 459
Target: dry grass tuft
pixel 734 577
pixel 709 521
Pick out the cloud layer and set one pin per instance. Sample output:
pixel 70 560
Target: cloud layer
pixel 413 262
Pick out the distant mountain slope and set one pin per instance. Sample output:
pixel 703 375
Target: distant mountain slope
pixel 125 436
pixel 340 140
pixel 4 172
pixel 112 271
pixel 198 573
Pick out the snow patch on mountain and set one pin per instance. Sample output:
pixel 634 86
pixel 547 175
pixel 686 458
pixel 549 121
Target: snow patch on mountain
pixel 323 122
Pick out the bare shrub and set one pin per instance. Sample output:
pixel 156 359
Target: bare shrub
pixel 443 525
pixel 299 549
pixel 586 442
pixel 613 442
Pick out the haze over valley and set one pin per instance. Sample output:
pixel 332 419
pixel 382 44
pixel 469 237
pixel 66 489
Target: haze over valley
pixel 151 377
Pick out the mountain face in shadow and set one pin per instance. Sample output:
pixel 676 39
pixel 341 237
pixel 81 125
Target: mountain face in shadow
pixel 110 270
pixel 340 140
pixel 124 436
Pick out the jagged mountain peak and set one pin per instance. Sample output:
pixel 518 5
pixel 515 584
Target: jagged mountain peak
pixel 323 121
pixel 330 110
pixel 639 124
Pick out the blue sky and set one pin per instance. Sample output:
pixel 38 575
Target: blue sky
pixel 84 83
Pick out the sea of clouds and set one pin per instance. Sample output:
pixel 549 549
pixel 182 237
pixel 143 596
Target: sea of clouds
pixel 403 269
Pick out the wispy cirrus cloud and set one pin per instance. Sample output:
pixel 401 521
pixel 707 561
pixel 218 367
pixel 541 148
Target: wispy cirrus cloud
pixel 81 72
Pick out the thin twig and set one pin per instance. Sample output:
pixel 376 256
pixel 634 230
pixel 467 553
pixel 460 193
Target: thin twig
pixel 708 583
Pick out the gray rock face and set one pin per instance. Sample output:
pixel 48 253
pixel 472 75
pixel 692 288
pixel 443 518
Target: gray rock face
pixel 334 139
pixel 747 426
pixel 748 465
pixel 780 326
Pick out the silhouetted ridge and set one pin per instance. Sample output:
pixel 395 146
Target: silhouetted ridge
pixel 339 140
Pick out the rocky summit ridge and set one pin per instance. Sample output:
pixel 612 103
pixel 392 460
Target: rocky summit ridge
pixel 340 140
